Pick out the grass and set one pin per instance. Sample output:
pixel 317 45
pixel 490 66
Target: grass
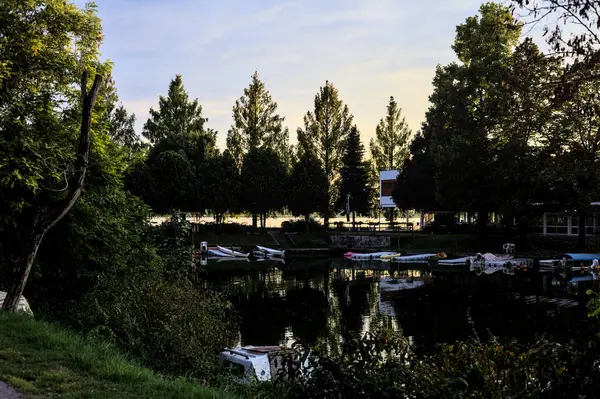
pixel 42 360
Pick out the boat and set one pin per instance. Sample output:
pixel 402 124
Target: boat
pixel 262 363
pixel 489 263
pixel 419 258
pixel 368 256
pixel 231 252
pixel 464 261
pixel 574 261
pixel 217 253
pixel 22 305
pixel 267 252
pixel 388 258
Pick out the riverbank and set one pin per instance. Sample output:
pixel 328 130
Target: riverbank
pixel 531 245
pixel 42 360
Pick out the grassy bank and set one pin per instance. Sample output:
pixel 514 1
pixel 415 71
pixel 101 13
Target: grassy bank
pixel 42 360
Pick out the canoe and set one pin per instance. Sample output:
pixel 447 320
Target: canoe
pixel 369 256
pixel 218 253
pixel 420 258
pixel 231 252
pixel 270 251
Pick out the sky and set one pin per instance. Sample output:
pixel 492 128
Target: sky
pixel 370 50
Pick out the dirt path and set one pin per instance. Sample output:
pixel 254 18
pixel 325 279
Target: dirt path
pixel 8 392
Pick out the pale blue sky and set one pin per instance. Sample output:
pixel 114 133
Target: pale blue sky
pixel 368 49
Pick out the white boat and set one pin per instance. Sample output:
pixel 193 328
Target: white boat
pixel 22 306
pixel 216 253
pixel 370 256
pixel 262 363
pixel 231 252
pixel 420 258
pixel 269 251
pixel 455 262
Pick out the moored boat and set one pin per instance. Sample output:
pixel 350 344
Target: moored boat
pixel 367 256
pixel 230 252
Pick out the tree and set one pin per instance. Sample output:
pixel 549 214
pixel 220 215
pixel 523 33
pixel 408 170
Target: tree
pixel 324 136
pixel 43 160
pixel 263 177
pixel 463 114
pixel 415 188
pixel 355 183
pixel 176 115
pixel 220 178
pixel 256 123
pixel 390 149
pixel 307 187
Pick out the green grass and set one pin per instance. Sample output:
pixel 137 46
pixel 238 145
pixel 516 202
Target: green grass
pixel 42 360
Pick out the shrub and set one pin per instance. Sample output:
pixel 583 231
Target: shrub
pixel 171 326
pixel 301 225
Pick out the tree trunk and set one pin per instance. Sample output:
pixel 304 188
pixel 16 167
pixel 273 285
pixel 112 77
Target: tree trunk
pixel 581 233
pixel 306 221
pixel 254 220
pixel 45 219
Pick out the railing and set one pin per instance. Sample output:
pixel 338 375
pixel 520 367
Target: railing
pixel 372 227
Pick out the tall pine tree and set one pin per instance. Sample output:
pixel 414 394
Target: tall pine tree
pixel 177 115
pixel 390 148
pixel 355 189
pixel 324 135
pixel 256 123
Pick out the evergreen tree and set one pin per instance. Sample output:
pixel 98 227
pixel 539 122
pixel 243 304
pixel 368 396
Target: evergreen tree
pixel 177 115
pixel 355 180
pixel 324 136
pixel 390 148
pixel 307 187
pixel 220 178
pixel 256 123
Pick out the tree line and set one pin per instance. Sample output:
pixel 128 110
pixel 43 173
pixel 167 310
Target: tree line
pixel 509 129
pixel 260 172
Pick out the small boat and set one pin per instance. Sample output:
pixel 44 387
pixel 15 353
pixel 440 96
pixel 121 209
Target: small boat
pixel 232 259
pixel 368 256
pixel 571 260
pixel 264 251
pixel 419 258
pixel 217 253
pixel 464 261
pixel 507 265
pixel 262 363
pixel 231 252
pixel 22 305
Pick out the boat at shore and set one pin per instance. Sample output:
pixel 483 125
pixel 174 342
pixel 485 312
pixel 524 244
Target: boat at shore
pixel 369 256
pixel 267 252
pixel 229 252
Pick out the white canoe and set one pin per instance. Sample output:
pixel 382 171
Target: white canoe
pixel 22 306
pixel 270 251
pixel 455 262
pixel 420 258
pixel 220 254
pixel 231 252
pixel 369 256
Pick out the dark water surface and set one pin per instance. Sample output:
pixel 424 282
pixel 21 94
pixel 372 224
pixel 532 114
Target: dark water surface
pixel 332 299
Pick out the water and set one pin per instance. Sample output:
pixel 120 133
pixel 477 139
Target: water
pixel 331 299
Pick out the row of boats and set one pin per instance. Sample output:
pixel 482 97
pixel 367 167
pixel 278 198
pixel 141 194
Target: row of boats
pixel 220 252
pixel 487 263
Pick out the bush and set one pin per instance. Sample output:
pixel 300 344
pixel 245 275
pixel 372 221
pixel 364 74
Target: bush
pixel 171 326
pixel 300 225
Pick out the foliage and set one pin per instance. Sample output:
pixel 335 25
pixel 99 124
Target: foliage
pixel 263 177
pixel 299 226
pixel 355 177
pixel 324 135
pixel 177 115
pixel 39 100
pixel 390 148
pixel 256 123
pixel 306 187
pixel 170 325
pixel 43 360
pixel 221 185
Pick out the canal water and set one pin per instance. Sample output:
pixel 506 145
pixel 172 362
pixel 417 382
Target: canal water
pixel 332 300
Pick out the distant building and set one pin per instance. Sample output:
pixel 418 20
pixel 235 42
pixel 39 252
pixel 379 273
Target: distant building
pixel 387 183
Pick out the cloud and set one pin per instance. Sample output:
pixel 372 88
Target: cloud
pixel 370 50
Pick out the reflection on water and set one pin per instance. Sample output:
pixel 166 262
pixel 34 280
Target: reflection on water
pixel 329 300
